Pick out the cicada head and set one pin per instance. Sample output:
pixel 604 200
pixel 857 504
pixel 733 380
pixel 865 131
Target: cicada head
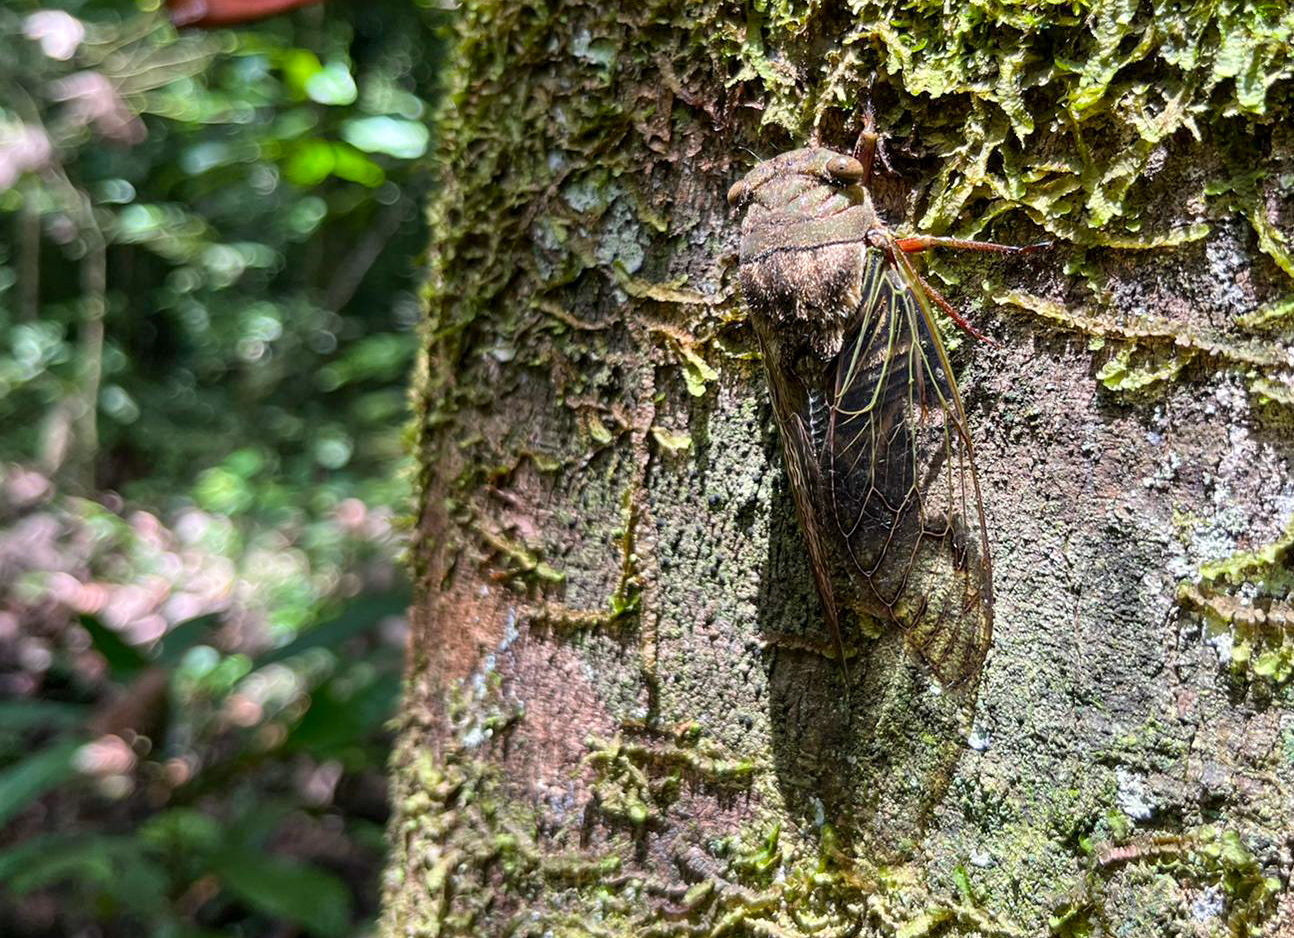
pixel 802 198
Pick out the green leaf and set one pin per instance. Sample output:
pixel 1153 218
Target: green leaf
pixel 24 782
pixel 342 718
pixel 184 832
pixel 402 139
pixel 24 714
pixel 45 860
pixel 184 636
pixel 316 900
pixel 115 873
pixel 311 163
pixel 360 615
pixel 332 85
pixel 350 164
pixel 124 661
pixel 298 66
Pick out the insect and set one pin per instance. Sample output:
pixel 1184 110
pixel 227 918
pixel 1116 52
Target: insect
pixel 875 438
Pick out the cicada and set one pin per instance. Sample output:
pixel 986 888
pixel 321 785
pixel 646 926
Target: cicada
pixel 877 448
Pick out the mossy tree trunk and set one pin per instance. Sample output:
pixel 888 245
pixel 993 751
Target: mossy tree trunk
pixel 619 719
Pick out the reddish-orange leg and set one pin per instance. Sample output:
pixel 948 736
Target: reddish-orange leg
pixel 921 242
pixel 868 145
pixel 962 322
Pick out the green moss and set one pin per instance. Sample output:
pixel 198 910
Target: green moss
pixel 464 837
pixel 1269 315
pixel 624 602
pixel 639 778
pixel 759 863
pixel 1007 97
pixel 1250 597
pixel 1012 93
pixel 518 560
pixel 1150 351
pixel 1203 857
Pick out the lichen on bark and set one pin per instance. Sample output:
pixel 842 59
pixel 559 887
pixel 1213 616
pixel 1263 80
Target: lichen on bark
pixel 618 720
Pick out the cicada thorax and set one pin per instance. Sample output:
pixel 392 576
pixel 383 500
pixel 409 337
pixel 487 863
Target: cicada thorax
pixel 877 452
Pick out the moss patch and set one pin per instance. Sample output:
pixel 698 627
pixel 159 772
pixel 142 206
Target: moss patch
pixel 1249 599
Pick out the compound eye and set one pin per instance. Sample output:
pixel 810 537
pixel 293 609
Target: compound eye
pixel 845 168
pixel 737 192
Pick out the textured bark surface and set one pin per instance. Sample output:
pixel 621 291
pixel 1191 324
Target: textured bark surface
pixel 620 719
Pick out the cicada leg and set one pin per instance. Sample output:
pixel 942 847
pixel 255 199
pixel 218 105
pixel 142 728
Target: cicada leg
pixel 869 143
pixel 896 256
pixel 922 242
pixel 829 650
pixel 962 322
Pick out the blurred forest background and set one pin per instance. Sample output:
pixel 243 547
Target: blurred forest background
pixel 209 245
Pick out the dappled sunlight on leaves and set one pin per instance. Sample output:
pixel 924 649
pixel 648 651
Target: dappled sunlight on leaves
pixel 206 324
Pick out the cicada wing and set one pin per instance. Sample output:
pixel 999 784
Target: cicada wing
pixel 794 406
pixel 900 476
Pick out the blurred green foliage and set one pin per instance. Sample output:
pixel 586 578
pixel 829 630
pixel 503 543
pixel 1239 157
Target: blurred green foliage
pixel 208 289
pixel 259 202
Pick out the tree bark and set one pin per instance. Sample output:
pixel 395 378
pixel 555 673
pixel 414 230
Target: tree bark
pixel 623 716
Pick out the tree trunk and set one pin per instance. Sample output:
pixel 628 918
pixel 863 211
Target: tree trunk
pixel 623 714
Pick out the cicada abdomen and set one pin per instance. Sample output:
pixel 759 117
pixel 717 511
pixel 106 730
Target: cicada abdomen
pixel 875 438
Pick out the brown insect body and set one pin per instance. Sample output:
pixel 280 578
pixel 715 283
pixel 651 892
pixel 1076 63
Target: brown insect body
pixel 873 431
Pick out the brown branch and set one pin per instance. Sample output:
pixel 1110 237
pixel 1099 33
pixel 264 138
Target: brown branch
pixel 350 273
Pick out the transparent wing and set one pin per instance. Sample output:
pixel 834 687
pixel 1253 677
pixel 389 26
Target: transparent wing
pixel 900 476
pixel 794 407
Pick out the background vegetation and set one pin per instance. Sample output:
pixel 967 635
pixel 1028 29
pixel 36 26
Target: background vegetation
pixel 207 299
